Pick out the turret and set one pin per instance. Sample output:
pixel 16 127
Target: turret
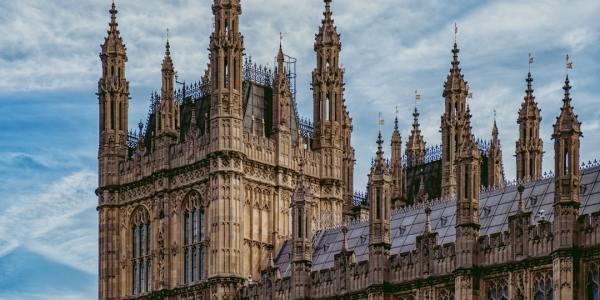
pixel 495 166
pixel 566 136
pixel 397 170
pixel 281 96
pixel 167 112
pixel 529 146
pixel 282 113
pixel 467 213
pixel 327 83
pixel 226 50
pixel 415 146
pixel 455 95
pixel 113 98
pixel 380 192
pixel 226 136
pixel 328 101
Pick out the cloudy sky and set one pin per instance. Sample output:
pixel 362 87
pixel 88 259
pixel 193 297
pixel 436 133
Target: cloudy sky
pixel 49 69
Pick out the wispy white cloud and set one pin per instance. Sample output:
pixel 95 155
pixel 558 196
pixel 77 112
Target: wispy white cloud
pixel 47 222
pixel 390 48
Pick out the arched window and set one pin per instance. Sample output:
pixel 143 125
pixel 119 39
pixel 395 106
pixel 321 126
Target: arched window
pixel 497 289
pixel 141 249
pixel 327 107
pixel 531 168
pixel 112 112
pixel 226 72
pixel 378 202
pixel 566 161
pixel 542 286
pixel 446 294
pixel 194 235
pixel 593 282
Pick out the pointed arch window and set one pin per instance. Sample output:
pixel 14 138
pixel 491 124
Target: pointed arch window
pixel 194 239
pixel 141 252
pixel 497 289
pixel 327 107
pixel 542 286
pixel 446 294
pixel 531 167
pixel 226 72
pixel 112 112
pixel 566 161
pixel 593 282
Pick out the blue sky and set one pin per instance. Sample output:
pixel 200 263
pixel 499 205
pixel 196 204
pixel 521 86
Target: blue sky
pixel 50 67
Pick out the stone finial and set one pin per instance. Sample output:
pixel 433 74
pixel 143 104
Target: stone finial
pixel 427 220
pixel 345 233
pixel 521 207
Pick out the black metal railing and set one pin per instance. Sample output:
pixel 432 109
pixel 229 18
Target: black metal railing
pixel 359 198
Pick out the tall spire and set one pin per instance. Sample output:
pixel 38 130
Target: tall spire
pixel 167 114
pixel 495 164
pixel 282 95
pixel 380 146
pixel 113 18
pixel 495 129
pixel 327 31
pixel 397 172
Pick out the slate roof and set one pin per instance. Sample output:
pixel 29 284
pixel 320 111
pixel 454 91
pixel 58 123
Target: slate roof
pixel 495 208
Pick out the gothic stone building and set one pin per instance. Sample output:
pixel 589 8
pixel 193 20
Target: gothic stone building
pixel 225 193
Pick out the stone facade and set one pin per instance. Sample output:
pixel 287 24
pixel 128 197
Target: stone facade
pixel 225 193
pixel 194 203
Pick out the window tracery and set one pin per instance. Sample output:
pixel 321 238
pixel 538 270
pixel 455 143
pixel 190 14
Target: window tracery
pixel 542 286
pixel 141 249
pixel 497 289
pixel 194 242
pixel 593 282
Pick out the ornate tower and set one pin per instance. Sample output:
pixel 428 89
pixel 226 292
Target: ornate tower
pixel 328 97
pixel 397 171
pixel 495 167
pixel 380 192
pixel 226 50
pixel 167 112
pixel 113 99
pixel 282 101
pixel 529 146
pixel 453 120
pixel 348 162
pixel 226 132
pixel 301 239
pixel 415 146
pixel 566 136
pixel 113 96
pixel 467 214
pixel 282 96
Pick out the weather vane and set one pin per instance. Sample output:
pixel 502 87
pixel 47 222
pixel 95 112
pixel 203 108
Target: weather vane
pixel 381 121
pixel 417 97
pixel 530 61
pixel 569 64
pixel 455 31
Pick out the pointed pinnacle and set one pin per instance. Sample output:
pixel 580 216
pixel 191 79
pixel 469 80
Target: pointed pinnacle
pixel 567 89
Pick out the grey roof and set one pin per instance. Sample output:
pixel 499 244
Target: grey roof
pixel 495 208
